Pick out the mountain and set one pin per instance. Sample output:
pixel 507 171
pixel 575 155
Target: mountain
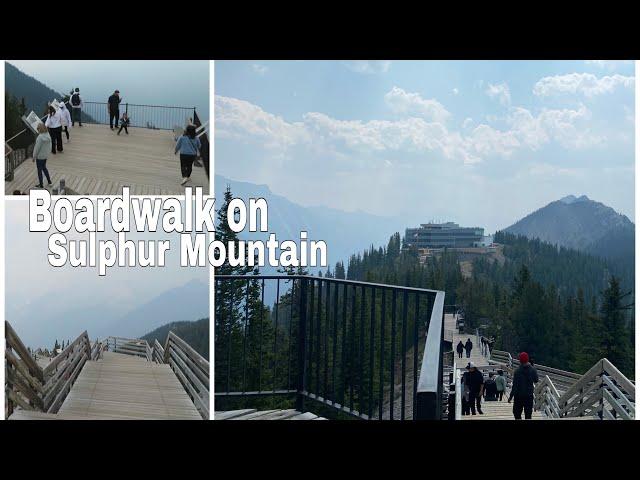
pixel 344 232
pixel 186 302
pixel 582 224
pixel 196 334
pixel 36 94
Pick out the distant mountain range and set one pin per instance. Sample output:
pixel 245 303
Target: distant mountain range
pixel 43 319
pixel 344 232
pixel 187 302
pixel 582 224
pixel 35 93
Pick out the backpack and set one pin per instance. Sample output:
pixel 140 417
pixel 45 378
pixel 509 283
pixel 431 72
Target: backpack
pixel 75 99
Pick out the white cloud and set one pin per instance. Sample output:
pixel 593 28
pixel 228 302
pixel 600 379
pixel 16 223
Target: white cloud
pixel 259 68
pixel 467 122
pixel 501 92
pixel 317 131
pixel 368 66
pixel 412 104
pixel 586 84
pixel 455 91
pixel 237 118
pixel 608 64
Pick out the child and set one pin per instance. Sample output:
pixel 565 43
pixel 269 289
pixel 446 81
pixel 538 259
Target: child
pixel 124 123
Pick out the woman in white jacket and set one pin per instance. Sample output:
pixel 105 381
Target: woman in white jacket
pixel 65 119
pixel 54 124
pixel 41 152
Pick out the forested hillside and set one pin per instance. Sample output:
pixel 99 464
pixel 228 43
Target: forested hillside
pixel 566 308
pixel 194 333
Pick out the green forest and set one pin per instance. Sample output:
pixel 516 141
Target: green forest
pixel 566 308
pixel 196 334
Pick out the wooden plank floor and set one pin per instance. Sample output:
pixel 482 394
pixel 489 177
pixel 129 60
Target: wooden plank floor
pixel 476 351
pixel 122 386
pixel 500 411
pixel 99 162
pixel 252 414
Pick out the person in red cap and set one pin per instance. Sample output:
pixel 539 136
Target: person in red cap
pixel 524 379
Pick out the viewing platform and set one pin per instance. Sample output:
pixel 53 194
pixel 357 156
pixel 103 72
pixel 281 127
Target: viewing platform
pixel 97 161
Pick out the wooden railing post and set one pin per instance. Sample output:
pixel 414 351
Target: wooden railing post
pixel 302 337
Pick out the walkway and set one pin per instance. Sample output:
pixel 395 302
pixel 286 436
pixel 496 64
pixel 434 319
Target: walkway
pixel 123 387
pixel 99 162
pixel 252 414
pixel 476 355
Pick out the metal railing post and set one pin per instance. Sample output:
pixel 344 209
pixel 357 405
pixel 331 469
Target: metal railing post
pixel 302 336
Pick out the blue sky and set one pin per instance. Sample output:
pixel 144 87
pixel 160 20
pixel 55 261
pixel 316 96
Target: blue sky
pixel 478 142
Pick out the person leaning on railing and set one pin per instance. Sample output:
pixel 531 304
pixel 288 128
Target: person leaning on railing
pixel 41 153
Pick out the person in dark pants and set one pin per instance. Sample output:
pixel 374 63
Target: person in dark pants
pixel 476 388
pixel 188 145
pixel 41 152
pixel 76 107
pixel 124 123
pixel 460 349
pixel 464 391
pixel 468 347
pixel 54 124
pixel 114 109
pixel 490 389
pixel 501 384
pixel 524 379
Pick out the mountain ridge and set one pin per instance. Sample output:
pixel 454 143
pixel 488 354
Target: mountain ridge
pixel 582 224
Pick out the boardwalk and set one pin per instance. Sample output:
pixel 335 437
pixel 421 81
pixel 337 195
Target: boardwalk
pixel 499 411
pixel 476 352
pixel 252 414
pixel 125 387
pixel 99 162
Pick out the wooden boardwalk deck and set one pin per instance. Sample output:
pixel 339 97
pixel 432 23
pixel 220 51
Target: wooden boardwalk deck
pixel 476 351
pixel 123 387
pixel 252 414
pixel 99 162
pixel 500 411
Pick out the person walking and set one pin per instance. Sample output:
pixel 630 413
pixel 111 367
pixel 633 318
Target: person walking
pixel 460 348
pixel 65 119
pixel 476 388
pixel 124 123
pixel 114 108
pixel 464 383
pixel 501 384
pixel 54 124
pixel 524 379
pixel 490 389
pixel 188 145
pixel 76 107
pixel 468 346
pixel 41 153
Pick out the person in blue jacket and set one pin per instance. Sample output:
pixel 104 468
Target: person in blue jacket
pixel 188 146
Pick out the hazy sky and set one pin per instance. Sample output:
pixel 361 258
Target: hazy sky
pixel 482 143
pixel 179 83
pixel 29 278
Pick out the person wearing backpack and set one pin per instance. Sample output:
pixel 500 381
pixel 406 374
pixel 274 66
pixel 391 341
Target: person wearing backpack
pixel 188 145
pixel 76 107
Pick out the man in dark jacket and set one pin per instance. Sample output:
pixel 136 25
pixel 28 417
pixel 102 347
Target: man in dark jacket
pixel 114 109
pixel 460 349
pixel 524 379
pixel 468 346
pixel 476 386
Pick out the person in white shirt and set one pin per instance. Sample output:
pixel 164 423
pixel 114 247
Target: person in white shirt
pixel 54 124
pixel 65 119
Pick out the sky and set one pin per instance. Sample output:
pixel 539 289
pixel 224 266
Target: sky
pixel 482 143
pixel 180 83
pixel 32 284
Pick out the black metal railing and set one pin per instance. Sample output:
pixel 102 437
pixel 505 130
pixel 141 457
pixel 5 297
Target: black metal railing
pixel 360 349
pixel 156 117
